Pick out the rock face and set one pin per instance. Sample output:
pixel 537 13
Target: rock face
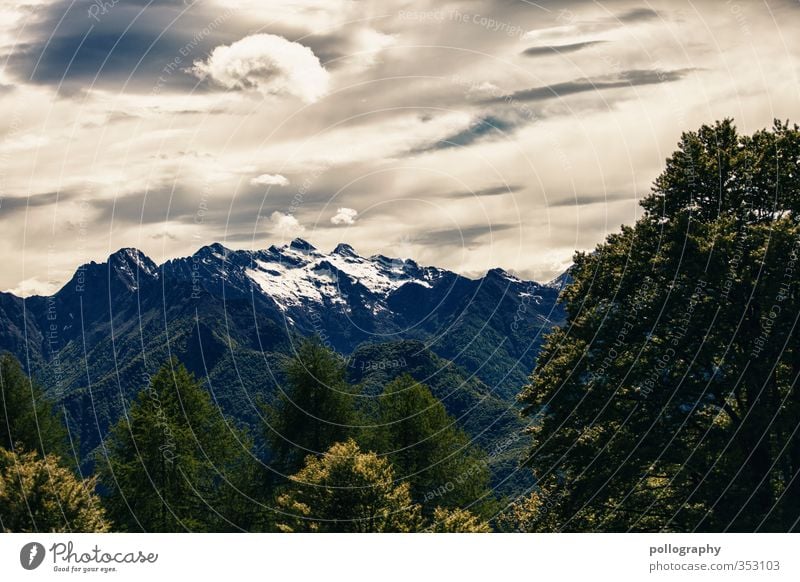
pixel 232 315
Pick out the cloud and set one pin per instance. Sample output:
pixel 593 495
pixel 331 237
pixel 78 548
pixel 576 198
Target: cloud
pixel 368 43
pixel 284 225
pixel 295 14
pixel 266 63
pixel 536 51
pixel 466 237
pixel 576 199
pixel 638 15
pixel 357 49
pixel 630 78
pixel 344 216
pixel 390 134
pixel 592 26
pixel 9 205
pixel 128 48
pixel 491 191
pixel 269 180
pixel 486 127
pixel 153 206
pixel 163 235
pixel 35 286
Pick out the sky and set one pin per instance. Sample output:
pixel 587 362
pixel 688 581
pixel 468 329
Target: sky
pixel 468 135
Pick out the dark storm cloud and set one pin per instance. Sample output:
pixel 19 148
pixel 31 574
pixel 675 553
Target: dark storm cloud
pixel 484 127
pixel 632 78
pixel 461 237
pixel 131 42
pixel 638 15
pixel 490 126
pixel 537 51
pixel 11 206
pixel 588 199
pixel 493 191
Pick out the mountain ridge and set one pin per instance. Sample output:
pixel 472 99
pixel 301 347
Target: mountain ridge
pixel 235 315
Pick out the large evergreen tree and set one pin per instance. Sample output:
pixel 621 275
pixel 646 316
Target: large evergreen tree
pixel 428 450
pixel 27 418
pixel 669 399
pixel 315 410
pixel 174 463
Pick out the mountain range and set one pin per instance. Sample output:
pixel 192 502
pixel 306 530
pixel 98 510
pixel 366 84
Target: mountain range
pixel 233 317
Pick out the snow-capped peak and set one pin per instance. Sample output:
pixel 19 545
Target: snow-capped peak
pixel 301 245
pixel 130 259
pixel 345 250
pixel 131 265
pixel 297 273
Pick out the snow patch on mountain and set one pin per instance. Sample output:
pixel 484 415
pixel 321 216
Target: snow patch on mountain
pixel 297 273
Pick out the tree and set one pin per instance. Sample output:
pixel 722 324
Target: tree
pixel 347 490
pixel 175 463
pixel 27 418
pixel 426 448
pixel 39 495
pixel 531 513
pixel 457 521
pixel 668 400
pixel 315 411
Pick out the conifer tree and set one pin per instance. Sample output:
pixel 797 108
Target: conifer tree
pixel 315 410
pixel 27 418
pixel 427 449
pixel 175 463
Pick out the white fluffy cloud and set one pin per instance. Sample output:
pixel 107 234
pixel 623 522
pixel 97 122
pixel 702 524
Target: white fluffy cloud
pixel 365 44
pixel 344 216
pixel 284 226
pixel 269 180
pixel 267 63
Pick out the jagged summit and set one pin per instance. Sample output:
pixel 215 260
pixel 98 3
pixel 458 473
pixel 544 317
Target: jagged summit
pixel 302 245
pixel 345 250
pixel 128 266
pixel 214 248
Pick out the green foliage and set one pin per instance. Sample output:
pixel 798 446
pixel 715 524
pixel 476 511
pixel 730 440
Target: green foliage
pixel 316 410
pixel 347 490
pixel 669 399
pixel 422 442
pixel 457 521
pixel 39 495
pixel 536 511
pixel 492 423
pixel 175 463
pixel 716 171
pixel 27 418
